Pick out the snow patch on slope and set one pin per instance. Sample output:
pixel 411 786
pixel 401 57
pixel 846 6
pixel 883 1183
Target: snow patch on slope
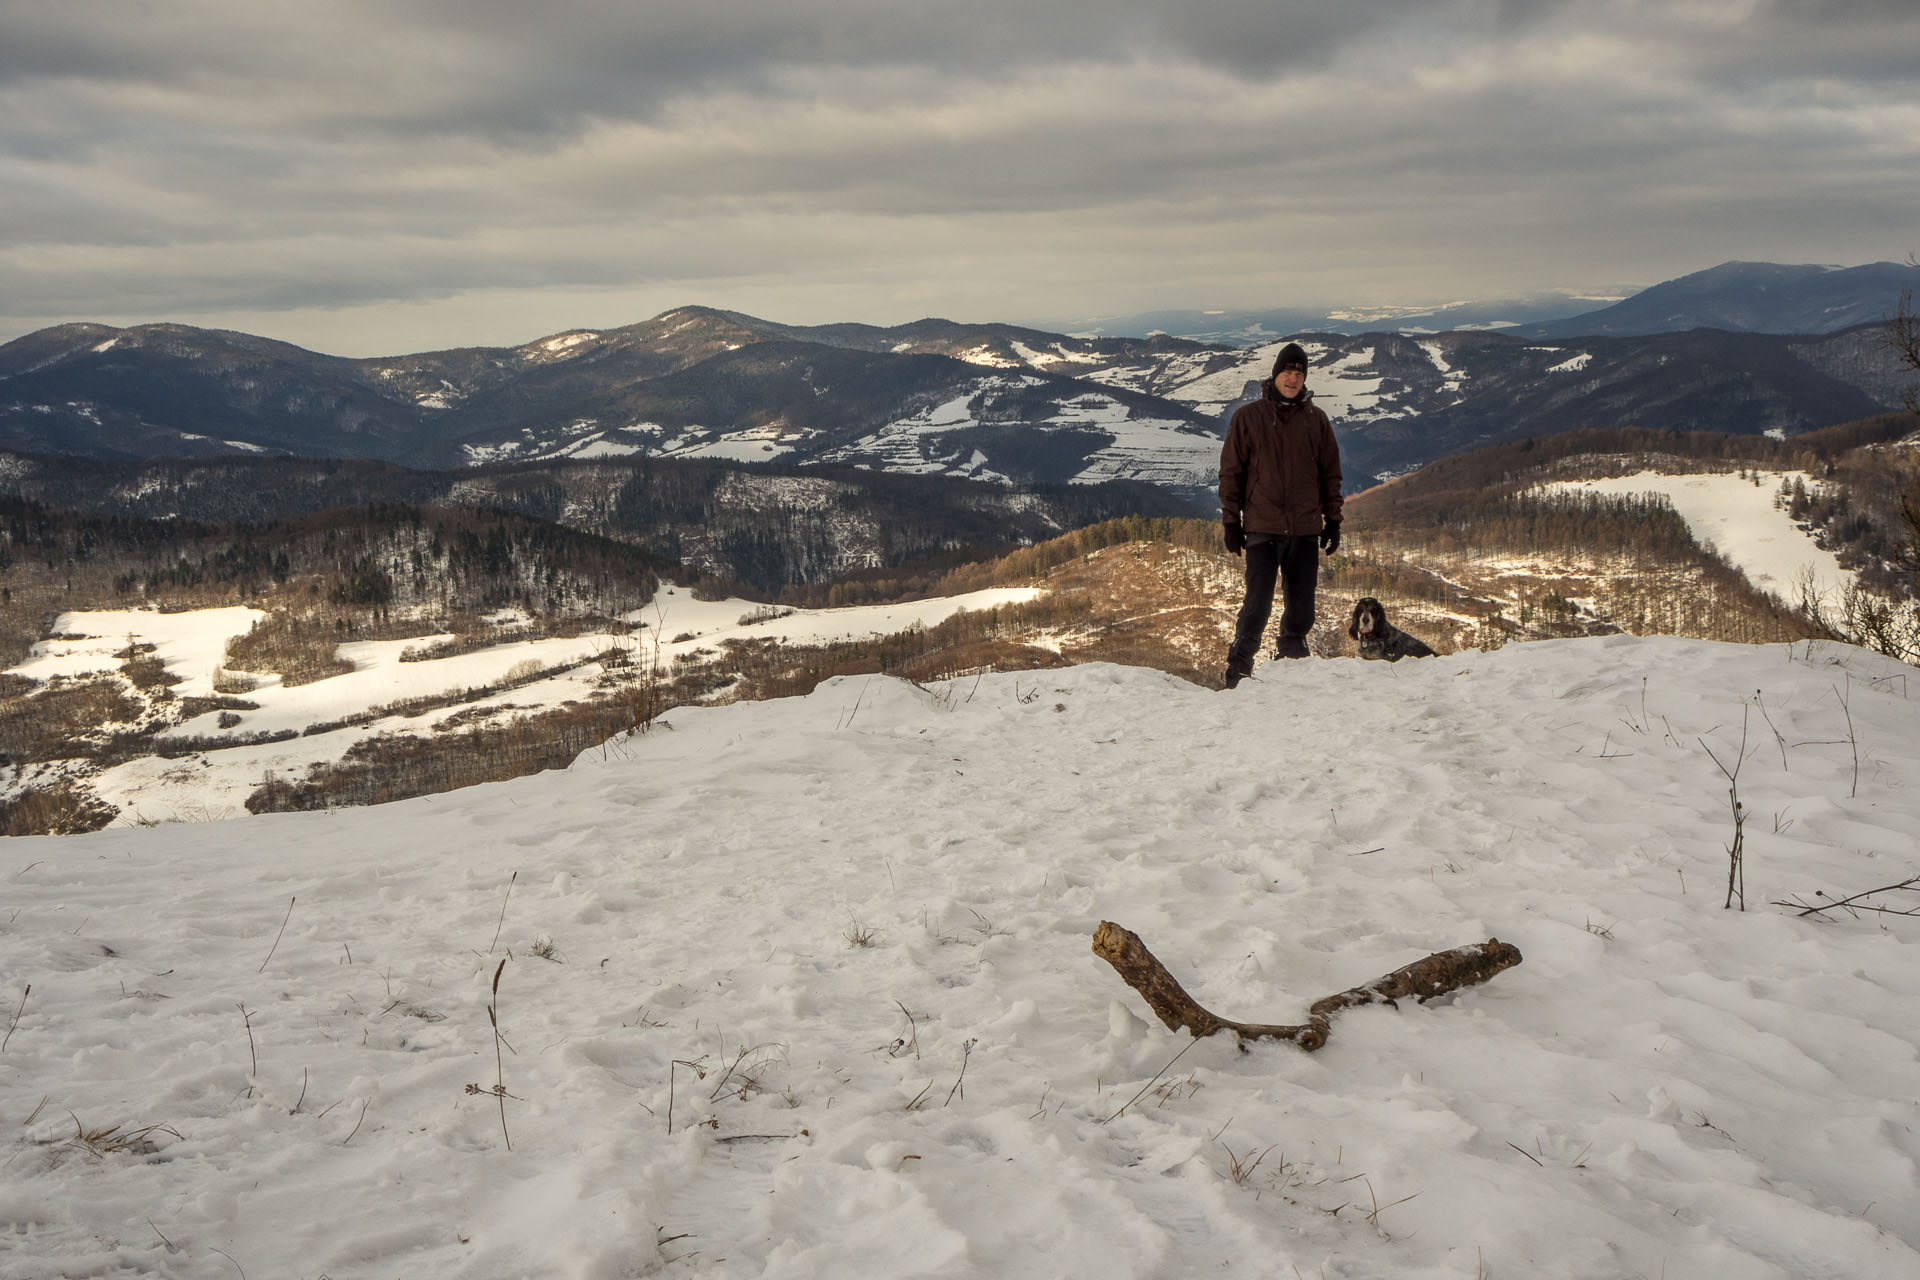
pixel 1739 518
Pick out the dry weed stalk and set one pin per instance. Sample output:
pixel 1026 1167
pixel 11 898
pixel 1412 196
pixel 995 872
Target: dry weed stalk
pixel 253 1051
pixel 1149 1084
pixel 1170 1090
pixel 1373 1214
pixel 357 1123
pixel 1853 739
pixel 16 1016
pixel 499 1089
pixel 699 1072
pixel 1736 851
pixel 966 1053
pixel 748 1073
pixel 505 898
pixel 276 937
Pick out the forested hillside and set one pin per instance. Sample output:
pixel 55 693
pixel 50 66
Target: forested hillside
pixel 764 529
pixel 1861 472
pixel 355 571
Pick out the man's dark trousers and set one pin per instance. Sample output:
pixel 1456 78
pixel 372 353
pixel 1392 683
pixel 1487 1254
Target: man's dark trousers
pixel 1294 559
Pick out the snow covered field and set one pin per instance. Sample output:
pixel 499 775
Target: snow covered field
pixel 803 989
pixel 191 644
pixel 216 784
pixel 1740 519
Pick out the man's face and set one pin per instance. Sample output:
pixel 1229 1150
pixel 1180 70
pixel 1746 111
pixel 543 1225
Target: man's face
pixel 1290 381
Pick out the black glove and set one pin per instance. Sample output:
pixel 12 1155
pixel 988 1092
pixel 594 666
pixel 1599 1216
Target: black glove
pixel 1330 537
pixel 1236 536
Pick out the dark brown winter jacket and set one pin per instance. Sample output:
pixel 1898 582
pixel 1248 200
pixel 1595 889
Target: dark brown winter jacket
pixel 1280 467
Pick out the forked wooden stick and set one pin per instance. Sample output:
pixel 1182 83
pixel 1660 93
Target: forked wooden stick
pixel 1436 975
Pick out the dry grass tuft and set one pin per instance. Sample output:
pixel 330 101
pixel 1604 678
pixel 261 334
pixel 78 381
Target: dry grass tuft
pixel 116 1140
pixel 1240 1168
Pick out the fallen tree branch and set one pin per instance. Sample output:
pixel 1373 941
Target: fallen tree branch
pixel 1423 980
pixel 1852 905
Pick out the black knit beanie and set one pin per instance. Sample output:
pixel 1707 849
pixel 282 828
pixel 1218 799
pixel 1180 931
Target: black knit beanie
pixel 1292 356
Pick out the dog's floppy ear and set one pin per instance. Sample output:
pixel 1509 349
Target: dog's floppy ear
pixel 1353 620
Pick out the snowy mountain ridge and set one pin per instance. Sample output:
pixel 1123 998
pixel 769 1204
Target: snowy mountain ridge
pixel 979 401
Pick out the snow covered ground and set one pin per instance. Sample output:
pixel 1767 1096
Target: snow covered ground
pixel 803 988
pixel 215 784
pixel 1158 451
pixel 191 644
pixel 1739 518
pixel 1223 389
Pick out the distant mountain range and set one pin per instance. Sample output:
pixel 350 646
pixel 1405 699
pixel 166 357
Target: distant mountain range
pixel 1742 297
pixel 984 402
pixel 1252 328
pixel 1749 297
pixel 1400 402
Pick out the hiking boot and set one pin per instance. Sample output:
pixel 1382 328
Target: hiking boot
pixel 1291 647
pixel 1235 674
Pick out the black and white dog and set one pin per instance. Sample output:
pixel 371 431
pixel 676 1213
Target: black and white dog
pixel 1379 639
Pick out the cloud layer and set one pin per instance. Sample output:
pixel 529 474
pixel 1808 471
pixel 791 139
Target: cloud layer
pixel 373 177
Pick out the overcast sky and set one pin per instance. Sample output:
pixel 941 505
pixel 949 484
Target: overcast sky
pixel 377 176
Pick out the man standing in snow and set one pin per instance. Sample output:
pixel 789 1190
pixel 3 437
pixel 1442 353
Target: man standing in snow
pixel 1280 504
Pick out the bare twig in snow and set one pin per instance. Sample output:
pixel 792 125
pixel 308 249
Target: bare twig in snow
pixel 1778 737
pixel 503 916
pixel 276 937
pixel 16 1016
pixel 1149 1084
pixel 1736 852
pixel 252 1051
pixel 1852 740
pixel 1853 905
pixel 966 1052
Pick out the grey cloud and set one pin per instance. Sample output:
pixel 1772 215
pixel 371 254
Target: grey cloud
pixel 508 67
pixel 263 156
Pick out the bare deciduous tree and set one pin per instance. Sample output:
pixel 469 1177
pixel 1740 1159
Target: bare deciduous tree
pixel 1886 626
pixel 1903 335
